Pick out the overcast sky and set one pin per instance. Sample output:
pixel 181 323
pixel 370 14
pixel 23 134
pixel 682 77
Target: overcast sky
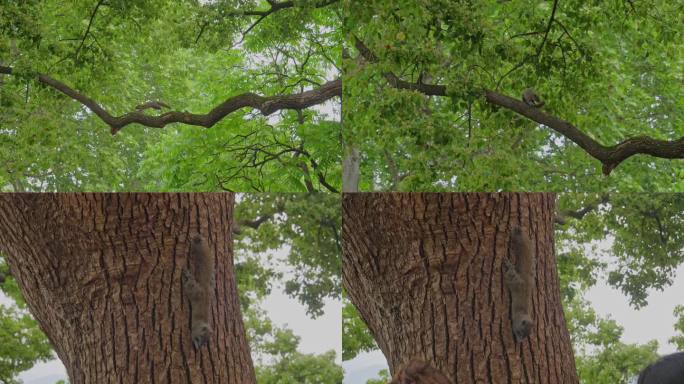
pixel 317 336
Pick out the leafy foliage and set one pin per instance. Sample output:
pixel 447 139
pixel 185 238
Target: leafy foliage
pixel 309 226
pixel 678 340
pixel 646 243
pixel 192 56
pixel 22 343
pixel 618 364
pixel 383 378
pixel 300 368
pixel 610 68
pixel 356 337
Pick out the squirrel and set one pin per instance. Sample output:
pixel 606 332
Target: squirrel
pixel 531 98
pixel 520 281
pixel 158 105
pixel 199 287
pixel 419 372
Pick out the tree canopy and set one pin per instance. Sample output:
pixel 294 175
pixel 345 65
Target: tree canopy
pixel 246 94
pixel 432 95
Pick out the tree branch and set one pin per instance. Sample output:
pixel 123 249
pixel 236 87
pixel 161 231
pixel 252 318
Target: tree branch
pixel 609 156
pixel 548 28
pixel 580 213
pixel 265 104
pixel 275 7
pixel 90 23
pixel 256 223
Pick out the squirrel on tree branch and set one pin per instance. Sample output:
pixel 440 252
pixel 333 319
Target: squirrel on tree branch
pixel 158 105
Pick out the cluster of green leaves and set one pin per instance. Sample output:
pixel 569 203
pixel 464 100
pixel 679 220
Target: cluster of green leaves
pixel 600 356
pixel 610 68
pixel 301 368
pixel 678 340
pixel 191 55
pixel 383 378
pixel 308 225
pixel 356 337
pixel 22 343
pixel 645 248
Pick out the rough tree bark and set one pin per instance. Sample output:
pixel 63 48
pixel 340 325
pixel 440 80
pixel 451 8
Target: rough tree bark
pixel 425 273
pixel 102 275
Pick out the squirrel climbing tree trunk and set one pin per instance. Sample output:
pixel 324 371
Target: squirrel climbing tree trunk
pixel 102 275
pixel 425 272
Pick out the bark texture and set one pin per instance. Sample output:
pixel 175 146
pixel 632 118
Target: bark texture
pixel 425 273
pixel 102 275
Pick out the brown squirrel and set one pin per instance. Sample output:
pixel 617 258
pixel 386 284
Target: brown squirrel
pixel 199 287
pixel 531 98
pixel 419 372
pixel 520 281
pixel 158 105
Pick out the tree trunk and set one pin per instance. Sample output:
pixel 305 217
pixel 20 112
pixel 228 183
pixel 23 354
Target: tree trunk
pixel 425 273
pixel 351 170
pixel 102 275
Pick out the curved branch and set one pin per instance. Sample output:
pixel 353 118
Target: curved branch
pixel 256 223
pixel 265 104
pixel 561 216
pixel 275 7
pixel 609 156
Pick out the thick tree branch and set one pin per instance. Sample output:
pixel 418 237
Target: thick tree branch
pixel 256 223
pixel 609 156
pixel 265 104
pixel 277 6
pixel 580 213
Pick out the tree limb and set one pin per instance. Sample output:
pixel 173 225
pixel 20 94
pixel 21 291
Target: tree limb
pixel 609 156
pixel 265 104
pixel 580 213
pixel 256 223
pixel 274 7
